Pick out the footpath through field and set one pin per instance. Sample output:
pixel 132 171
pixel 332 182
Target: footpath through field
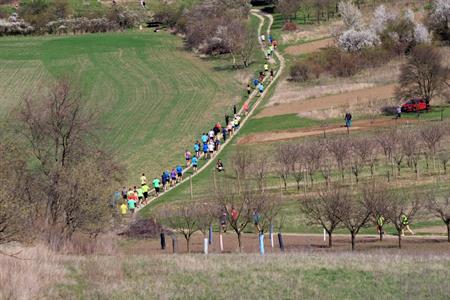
pixel 281 68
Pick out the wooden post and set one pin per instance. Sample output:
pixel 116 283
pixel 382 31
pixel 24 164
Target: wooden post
pixel 163 241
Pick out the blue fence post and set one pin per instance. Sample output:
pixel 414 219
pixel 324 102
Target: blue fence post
pixel 261 243
pixel 210 234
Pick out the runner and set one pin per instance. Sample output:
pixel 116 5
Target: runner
pixel 245 108
pixel 197 149
pixel 179 173
pixel 173 177
pixel 269 53
pixel 211 148
pixel 131 205
pixel 211 134
pixel 234 214
pixel 234 109
pixel 188 156
pixel 399 112
pixel 217 145
pixel 223 221
pixel 266 68
pixel 227 119
pixel 156 184
pixel 124 193
pixel 230 128
pixel 271 74
pixel 145 190
pixel 249 90
pixel 380 223
pixel 143 179
pixel 261 89
pixel 204 138
pixel 219 166
pixel 194 164
pixel 123 209
pixel 348 121
pixel 255 83
pixel 270 39
pixel 224 133
pixel 205 150
pixel 263 38
pixel 405 223
pixel 140 194
pixel 163 181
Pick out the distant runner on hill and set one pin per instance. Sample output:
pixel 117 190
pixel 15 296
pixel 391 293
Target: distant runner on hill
pixel 255 82
pixel 234 109
pixel 197 149
pixel 188 156
pixel 173 177
pixel 249 90
pixel 179 173
pixel 205 150
pixel 219 166
pixel 261 89
pixel 224 133
pixel 245 108
pixel 348 120
pixel 140 194
pixel 227 119
pixel 143 179
pixel 123 209
pixel 266 67
pixel 271 74
pixel 156 184
pixel 145 188
pixel 131 205
pixel 194 163
pixel 124 193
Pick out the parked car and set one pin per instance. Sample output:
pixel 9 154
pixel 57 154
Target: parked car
pixel 414 105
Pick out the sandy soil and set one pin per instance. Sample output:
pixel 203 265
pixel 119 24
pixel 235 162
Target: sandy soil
pixel 326 102
pixel 268 137
pixel 309 47
pixel 295 243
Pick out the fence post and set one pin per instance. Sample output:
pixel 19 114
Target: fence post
pixel 261 243
pixel 163 241
pixel 280 241
pixel 210 234
pixel 205 245
pixel 174 244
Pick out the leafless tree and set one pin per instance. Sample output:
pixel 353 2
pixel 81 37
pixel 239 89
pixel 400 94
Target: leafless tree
pixel 182 219
pixel 59 131
pixel 431 136
pixel 297 164
pixel 402 204
pixel 242 162
pixel 288 9
pixel 387 142
pixel 322 210
pixel 365 149
pixel 283 162
pixel 313 152
pixel 424 75
pixel 353 213
pixel 440 207
pixel 444 158
pixel 377 199
pixel 326 168
pixel 411 149
pixel 340 148
pixel 397 150
pixel 259 169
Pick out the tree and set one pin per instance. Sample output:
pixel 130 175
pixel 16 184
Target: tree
pixel 440 207
pixel 377 199
pixel 431 136
pixel 288 9
pixel 17 206
pixel 242 163
pixel 353 40
pixel 353 214
pixel 283 161
pixel 351 15
pixel 411 149
pixel 182 219
pixel 59 130
pixel 402 204
pixel 439 19
pixel 387 142
pixel 322 210
pixel 339 147
pixel 297 164
pixel 424 75
pixel 313 152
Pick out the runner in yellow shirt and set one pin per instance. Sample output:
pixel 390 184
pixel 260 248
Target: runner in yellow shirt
pixel 123 209
pixel 143 179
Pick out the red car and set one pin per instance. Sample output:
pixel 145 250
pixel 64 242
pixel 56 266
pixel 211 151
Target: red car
pixel 414 105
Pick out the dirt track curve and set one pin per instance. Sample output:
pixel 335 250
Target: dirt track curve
pixel 281 68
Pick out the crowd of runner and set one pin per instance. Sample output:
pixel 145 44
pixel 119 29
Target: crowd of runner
pixel 205 148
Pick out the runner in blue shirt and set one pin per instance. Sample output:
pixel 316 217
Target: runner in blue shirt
pixel 194 163
pixel 179 173
pixel 204 138
pixel 205 150
pixel 197 149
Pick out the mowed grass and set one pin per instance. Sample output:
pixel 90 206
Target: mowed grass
pixel 155 98
pixel 234 276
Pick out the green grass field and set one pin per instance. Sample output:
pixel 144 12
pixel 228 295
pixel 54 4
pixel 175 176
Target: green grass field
pixel 154 97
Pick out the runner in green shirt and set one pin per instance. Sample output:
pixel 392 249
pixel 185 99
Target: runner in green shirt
pixel 140 193
pixel 132 205
pixel 156 184
pixel 145 189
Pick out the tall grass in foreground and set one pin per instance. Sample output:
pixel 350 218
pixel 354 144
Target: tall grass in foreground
pixel 235 276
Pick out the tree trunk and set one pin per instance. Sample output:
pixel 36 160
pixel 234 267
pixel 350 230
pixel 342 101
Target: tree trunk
pixel 399 239
pixel 188 243
pixel 239 241
pixel 353 240
pixel 448 231
pixel 381 234
pixel 330 240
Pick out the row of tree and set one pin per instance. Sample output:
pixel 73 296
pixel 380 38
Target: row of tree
pixel 387 150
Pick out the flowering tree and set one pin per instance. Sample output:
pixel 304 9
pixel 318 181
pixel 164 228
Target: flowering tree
pixel 351 15
pixel 352 40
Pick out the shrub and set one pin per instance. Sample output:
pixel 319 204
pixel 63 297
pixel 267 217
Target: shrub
pixel 19 27
pixel 352 40
pixel 300 71
pixel 290 26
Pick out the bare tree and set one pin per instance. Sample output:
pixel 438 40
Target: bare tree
pixel 353 214
pixel 297 164
pixel 283 161
pixel 340 148
pixel 288 9
pixel 182 219
pixel 242 162
pixel 402 206
pixel 59 130
pixel 440 207
pixel 260 169
pixel 397 150
pixel 365 149
pixel 431 136
pixel 411 149
pixel 444 158
pixel 424 75
pixel 322 210
pixel 313 152
pixel 377 199
pixel 387 142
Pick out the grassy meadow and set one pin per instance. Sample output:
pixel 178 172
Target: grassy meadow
pixel 154 97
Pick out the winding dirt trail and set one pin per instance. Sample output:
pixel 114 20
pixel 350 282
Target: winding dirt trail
pixel 280 70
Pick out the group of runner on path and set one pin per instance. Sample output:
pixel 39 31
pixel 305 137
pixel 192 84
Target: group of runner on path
pixel 206 148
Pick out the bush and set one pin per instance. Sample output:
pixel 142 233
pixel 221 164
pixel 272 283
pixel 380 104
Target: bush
pixel 19 27
pixel 300 71
pixel 290 26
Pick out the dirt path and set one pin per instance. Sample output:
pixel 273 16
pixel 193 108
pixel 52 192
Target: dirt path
pixel 273 136
pixel 309 47
pixel 281 60
pixel 378 93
